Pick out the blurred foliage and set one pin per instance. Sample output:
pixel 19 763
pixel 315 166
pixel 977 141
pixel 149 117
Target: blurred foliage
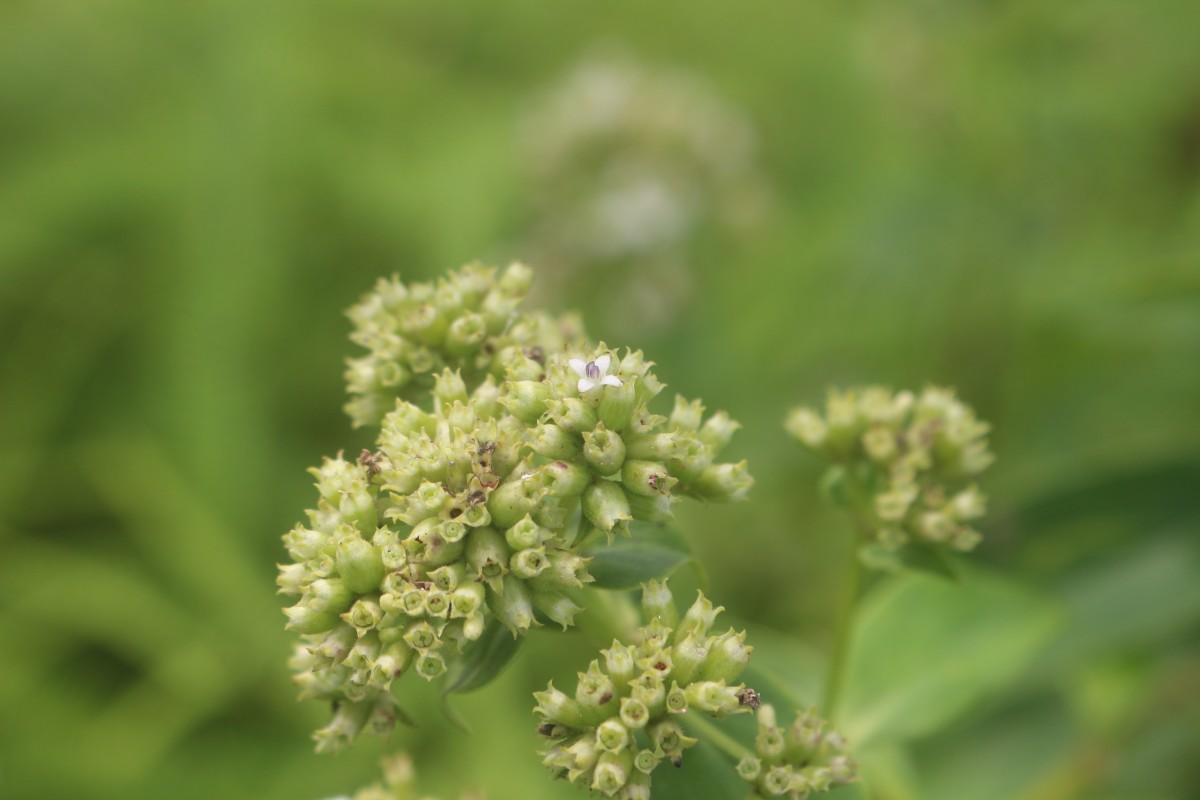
pixel 999 196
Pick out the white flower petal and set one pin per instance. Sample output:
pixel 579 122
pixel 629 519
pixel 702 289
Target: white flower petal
pixel 585 384
pixel 611 380
pixel 602 362
pixel 579 365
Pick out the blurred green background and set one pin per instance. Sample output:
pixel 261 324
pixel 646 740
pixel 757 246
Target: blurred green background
pixel 999 196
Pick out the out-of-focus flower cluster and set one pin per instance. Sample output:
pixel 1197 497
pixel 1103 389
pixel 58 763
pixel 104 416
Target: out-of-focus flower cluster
pixel 797 761
pixel 398 783
pixel 471 510
pixel 623 719
pixel 906 462
pixel 626 162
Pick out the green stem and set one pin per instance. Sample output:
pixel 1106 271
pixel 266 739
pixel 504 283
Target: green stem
pixel 715 736
pixel 836 676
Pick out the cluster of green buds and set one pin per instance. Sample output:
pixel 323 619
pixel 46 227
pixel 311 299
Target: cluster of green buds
pixel 466 322
pixel 796 762
pixel 624 717
pixel 399 783
pixel 905 463
pixel 627 162
pixel 473 509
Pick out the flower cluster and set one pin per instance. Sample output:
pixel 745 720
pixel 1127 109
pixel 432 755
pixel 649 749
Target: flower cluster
pixel 472 511
pixel 466 322
pixel 905 461
pixel 623 719
pixel 398 783
pixel 796 762
pixel 627 161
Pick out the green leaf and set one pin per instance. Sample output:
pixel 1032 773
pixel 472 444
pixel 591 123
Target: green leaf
pixel 483 660
pixel 911 557
pixel 924 651
pixel 651 552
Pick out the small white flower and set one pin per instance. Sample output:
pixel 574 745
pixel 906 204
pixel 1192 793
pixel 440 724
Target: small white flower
pixel 594 373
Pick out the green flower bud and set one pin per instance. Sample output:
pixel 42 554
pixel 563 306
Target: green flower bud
pixel 634 713
pixel 328 595
pixel 473 626
pixel 617 404
pixel 475 517
pixel 658 509
pixel 567 571
pixel 649 690
pixel 687 415
pixel 724 482
pixel 653 447
pixel 391 663
pixel 618 661
pixel 466 600
pixel 550 441
pixel 892 506
pixel 466 334
pixel 698 619
pixel 668 737
pixel 611 773
pixel 605 504
pixel 603 450
pixel 728 655
pixel 658 603
pixel 612 736
pixel 558 607
pixel 303 544
pixel 514 606
pixel 596 695
pixel 879 443
pixel 303 619
pixel 572 414
pixel 514 499
pixel 515 281
pixel 525 534
pixel 291 578
pixel 348 721
pixel 647 478
pixel 687 657
pixel 364 615
pixel 437 603
pixel 637 787
pixel 334 647
pixel 778 780
pixel 807 426
pixel 554 706
pixel 430 665
pixel 968 504
pixel 718 431
pixel 713 697
pixel 526 400
pixel 749 768
pixel 487 554
pixel 448 578
pixel 486 399
pixel 421 636
pixel 645 761
pixel 676 700
pixel 516 365
pixel 529 563
pixel 769 742
pixel 363 652
pixel 358 563
pixel 449 388
pixel 566 479
pixel 936 526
